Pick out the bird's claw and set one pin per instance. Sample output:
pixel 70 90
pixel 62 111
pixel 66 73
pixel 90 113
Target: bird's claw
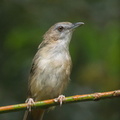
pixel 29 102
pixel 60 99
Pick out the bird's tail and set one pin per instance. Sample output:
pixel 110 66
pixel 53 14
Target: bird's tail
pixel 35 114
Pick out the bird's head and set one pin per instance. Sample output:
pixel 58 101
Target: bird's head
pixel 61 31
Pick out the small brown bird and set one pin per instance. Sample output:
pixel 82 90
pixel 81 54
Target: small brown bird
pixel 51 67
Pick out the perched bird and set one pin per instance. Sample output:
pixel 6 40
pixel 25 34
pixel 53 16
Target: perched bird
pixel 51 67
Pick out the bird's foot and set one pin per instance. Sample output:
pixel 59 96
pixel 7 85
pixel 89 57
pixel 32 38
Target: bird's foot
pixel 60 99
pixel 29 102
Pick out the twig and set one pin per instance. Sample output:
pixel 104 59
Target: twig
pixel 71 99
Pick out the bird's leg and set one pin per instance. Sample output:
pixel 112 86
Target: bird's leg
pixel 29 102
pixel 60 99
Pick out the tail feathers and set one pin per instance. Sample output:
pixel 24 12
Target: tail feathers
pixel 36 114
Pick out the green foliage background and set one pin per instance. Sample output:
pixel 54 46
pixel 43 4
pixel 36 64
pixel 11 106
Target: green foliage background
pixel 94 49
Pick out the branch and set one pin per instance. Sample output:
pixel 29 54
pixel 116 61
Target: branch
pixel 47 103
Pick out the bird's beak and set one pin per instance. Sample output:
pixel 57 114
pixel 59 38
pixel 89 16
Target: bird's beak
pixel 76 25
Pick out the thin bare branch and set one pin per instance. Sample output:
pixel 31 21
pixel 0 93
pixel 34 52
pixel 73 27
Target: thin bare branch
pixel 47 103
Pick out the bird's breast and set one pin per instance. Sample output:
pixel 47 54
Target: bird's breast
pixel 52 76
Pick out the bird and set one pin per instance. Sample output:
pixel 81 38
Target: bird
pixel 51 67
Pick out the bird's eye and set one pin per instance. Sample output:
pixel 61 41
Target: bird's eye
pixel 60 28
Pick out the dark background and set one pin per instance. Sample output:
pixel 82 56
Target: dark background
pixel 94 49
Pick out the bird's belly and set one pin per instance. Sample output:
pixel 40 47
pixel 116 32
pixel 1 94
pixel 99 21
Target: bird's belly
pixel 51 80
